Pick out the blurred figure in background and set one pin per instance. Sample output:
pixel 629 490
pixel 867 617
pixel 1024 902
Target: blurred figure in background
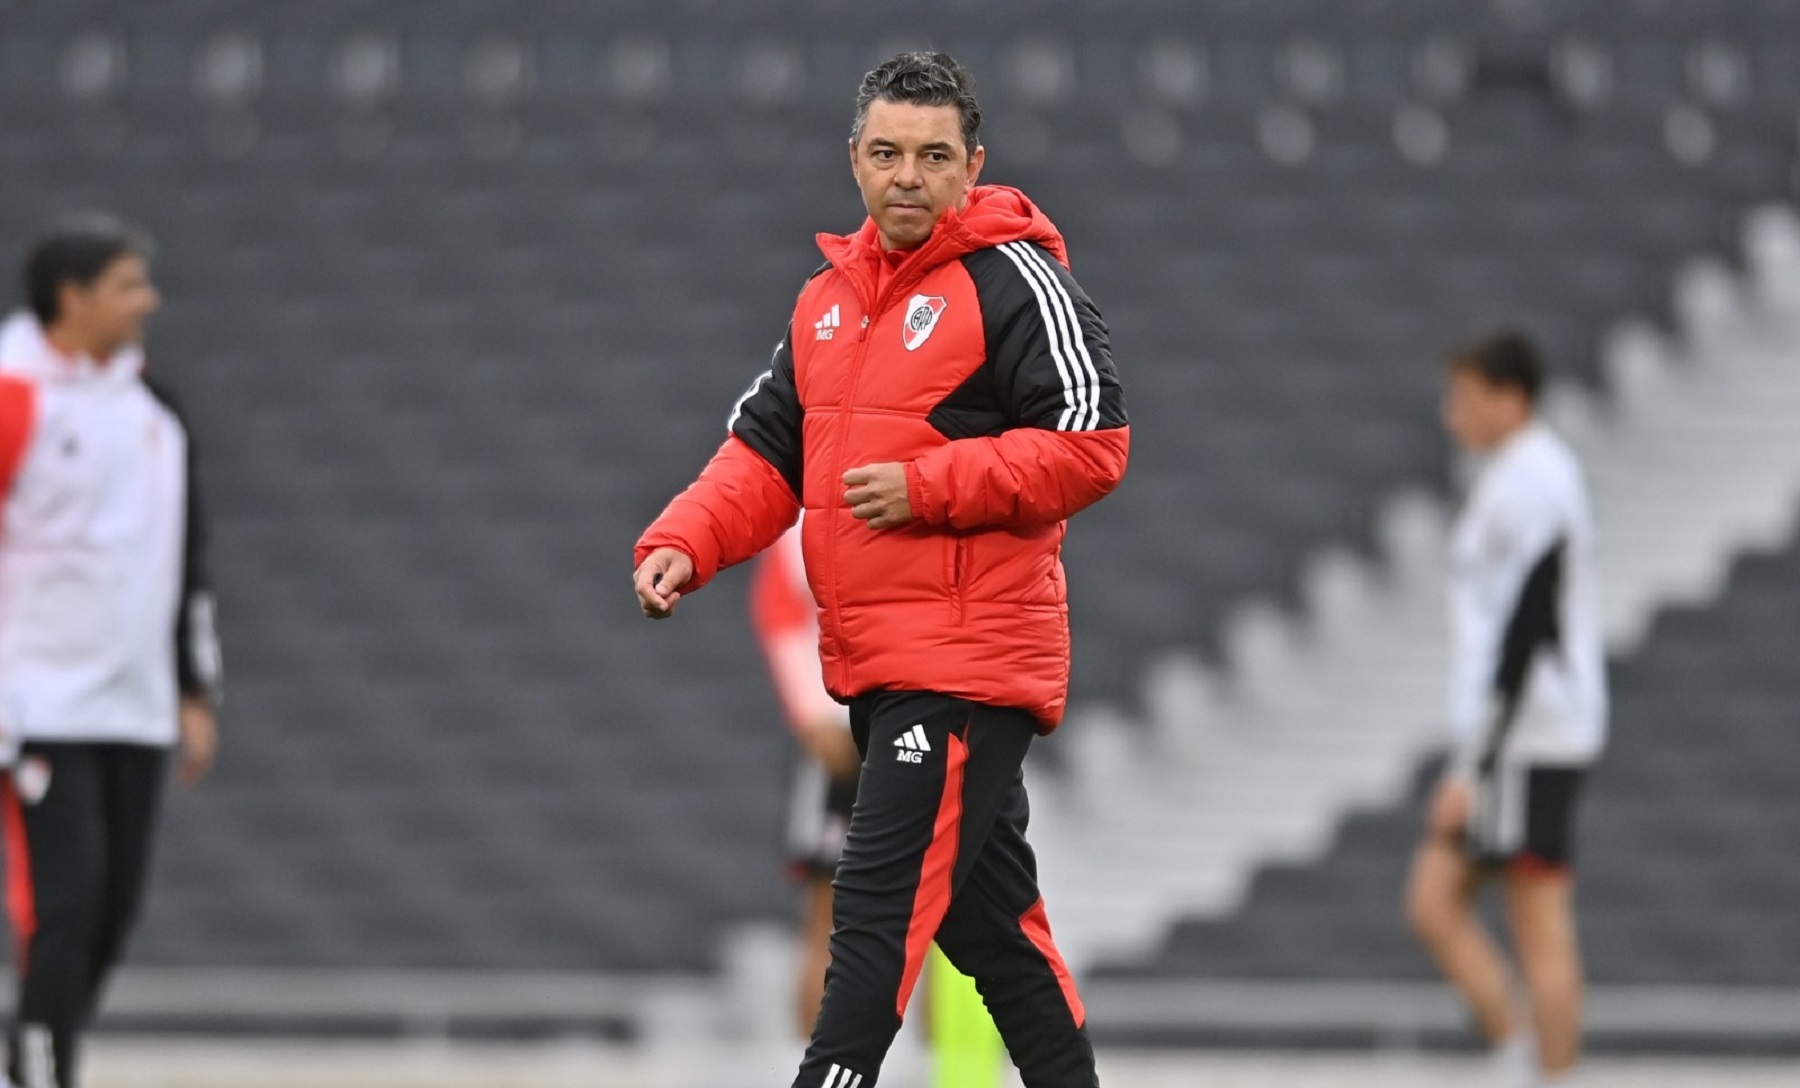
pixel 108 657
pixel 786 619
pixel 1528 711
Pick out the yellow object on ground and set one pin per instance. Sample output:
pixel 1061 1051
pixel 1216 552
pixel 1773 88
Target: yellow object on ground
pixel 966 1051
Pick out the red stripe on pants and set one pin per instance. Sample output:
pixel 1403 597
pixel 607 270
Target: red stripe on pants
pixel 933 897
pixel 21 896
pixel 1036 925
pixel 1530 865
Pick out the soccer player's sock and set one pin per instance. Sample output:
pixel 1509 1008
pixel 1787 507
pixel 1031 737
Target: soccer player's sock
pixel 1514 1061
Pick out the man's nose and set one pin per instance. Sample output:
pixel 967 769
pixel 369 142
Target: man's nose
pixel 909 175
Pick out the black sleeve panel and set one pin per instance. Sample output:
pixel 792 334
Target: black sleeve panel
pixel 199 668
pixel 768 416
pixel 1535 626
pixel 1047 344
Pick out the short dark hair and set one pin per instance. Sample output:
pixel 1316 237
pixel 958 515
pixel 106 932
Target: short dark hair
pixel 76 250
pixel 922 79
pixel 1507 359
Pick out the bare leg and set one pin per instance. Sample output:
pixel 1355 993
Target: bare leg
pixel 1440 896
pixel 1541 914
pixel 815 953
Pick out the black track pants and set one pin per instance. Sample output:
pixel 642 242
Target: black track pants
pixel 937 850
pixel 78 822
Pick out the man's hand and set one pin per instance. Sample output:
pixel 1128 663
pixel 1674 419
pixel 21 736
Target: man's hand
pixel 199 742
pixel 659 580
pixel 1449 815
pixel 877 494
pixel 829 741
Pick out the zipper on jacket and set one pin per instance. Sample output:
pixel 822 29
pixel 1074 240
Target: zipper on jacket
pixel 959 569
pixel 872 307
pixel 856 364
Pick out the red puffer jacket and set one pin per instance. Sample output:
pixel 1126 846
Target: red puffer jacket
pixel 979 363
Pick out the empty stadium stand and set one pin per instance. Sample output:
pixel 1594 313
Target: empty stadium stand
pixel 1683 879
pixel 459 293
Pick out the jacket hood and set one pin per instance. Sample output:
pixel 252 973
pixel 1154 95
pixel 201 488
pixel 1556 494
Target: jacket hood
pixel 24 349
pixel 994 215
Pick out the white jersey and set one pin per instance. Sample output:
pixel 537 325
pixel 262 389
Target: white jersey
pixel 1528 668
pixel 93 551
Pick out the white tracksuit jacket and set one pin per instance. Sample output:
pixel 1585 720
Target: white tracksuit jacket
pixel 1528 669
pixel 105 619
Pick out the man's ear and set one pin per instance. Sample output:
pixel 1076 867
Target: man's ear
pixel 69 296
pixel 976 161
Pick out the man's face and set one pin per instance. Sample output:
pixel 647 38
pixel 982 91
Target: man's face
pixel 1479 414
pixel 110 313
pixel 912 166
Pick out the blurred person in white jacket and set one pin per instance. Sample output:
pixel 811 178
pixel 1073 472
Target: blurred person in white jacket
pixel 1528 713
pixel 108 656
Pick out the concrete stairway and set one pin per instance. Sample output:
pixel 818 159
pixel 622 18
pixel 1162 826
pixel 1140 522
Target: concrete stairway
pixel 1693 455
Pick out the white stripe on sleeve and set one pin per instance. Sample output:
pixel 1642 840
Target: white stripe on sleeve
pixel 1066 305
pixel 1054 330
pixel 738 408
pixel 203 641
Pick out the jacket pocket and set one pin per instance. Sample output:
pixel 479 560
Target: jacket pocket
pixel 959 573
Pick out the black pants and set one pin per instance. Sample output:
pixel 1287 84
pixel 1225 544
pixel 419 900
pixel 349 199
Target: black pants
pixel 937 850
pixel 78 821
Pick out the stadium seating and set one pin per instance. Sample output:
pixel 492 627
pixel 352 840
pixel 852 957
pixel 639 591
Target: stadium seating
pixel 458 294
pixel 1683 875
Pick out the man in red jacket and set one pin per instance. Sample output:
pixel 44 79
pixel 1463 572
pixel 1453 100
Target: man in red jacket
pixel 943 400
